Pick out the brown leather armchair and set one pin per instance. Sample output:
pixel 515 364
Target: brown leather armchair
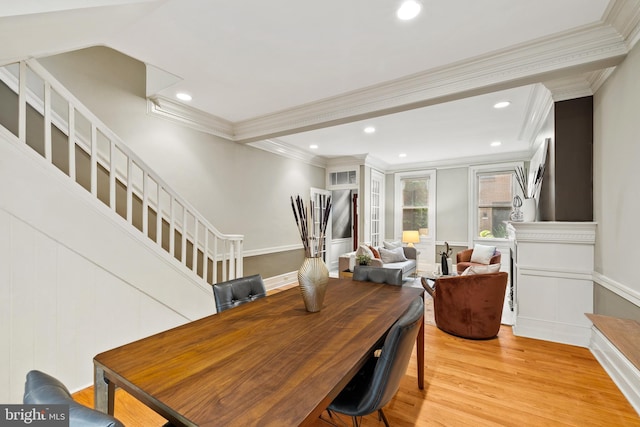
pixel 463 260
pixel 469 306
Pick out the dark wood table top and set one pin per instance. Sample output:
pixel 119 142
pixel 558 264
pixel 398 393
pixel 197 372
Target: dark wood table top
pixel 269 362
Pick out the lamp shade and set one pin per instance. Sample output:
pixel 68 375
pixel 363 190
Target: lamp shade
pixel 411 237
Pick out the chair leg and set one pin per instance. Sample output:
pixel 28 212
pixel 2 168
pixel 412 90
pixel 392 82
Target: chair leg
pixel 383 417
pixel 355 421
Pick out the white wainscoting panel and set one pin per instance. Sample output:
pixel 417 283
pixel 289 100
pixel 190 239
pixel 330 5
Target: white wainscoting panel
pixel 553 265
pixel 74 279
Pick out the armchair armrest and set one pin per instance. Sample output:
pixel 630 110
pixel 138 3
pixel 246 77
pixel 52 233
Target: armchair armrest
pixel 343 261
pixel 375 262
pixel 464 256
pixel 410 252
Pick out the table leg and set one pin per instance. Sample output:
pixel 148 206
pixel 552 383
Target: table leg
pixel 420 354
pixel 104 392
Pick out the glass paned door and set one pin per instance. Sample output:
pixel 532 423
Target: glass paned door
pixel 377 207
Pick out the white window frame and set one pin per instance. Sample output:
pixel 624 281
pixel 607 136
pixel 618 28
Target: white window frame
pixel 474 172
pixel 397 229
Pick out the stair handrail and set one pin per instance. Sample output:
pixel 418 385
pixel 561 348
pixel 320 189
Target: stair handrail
pixel 230 256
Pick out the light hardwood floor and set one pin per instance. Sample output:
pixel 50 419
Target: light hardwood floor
pixel 506 381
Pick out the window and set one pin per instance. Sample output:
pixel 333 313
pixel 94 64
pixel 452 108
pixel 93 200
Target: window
pixel 343 178
pixel 494 196
pixel 415 197
pixel 415 204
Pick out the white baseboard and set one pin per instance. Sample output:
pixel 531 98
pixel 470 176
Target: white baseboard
pixel 284 279
pixel 623 373
pixel 563 333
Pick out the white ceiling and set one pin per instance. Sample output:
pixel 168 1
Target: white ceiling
pixel 262 70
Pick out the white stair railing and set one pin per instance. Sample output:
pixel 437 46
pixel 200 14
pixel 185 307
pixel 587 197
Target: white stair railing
pixel 201 247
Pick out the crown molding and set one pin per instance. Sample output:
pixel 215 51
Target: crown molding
pixel 463 161
pixel 584 49
pixel 592 51
pixel 338 163
pixel 597 78
pixel 376 163
pixel 624 16
pixel 283 149
pixel 191 117
pixel 539 105
pixel 569 87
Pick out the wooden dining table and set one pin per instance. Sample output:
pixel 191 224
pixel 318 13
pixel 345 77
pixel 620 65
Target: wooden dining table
pixel 268 362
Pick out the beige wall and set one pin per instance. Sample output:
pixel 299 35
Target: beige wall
pixel 452 205
pixel 239 189
pixel 617 190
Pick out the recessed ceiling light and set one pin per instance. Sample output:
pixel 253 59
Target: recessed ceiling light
pixel 183 96
pixel 369 129
pixel 313 146
pixel 496 143
pixel 502 104
pixel 409 9
pixel 402 155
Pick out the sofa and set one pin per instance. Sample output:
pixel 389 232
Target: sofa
pixel 387 257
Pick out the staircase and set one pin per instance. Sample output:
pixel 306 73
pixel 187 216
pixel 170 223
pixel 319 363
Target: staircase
pixel 46 117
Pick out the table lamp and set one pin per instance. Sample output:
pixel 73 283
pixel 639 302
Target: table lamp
pixel 410 237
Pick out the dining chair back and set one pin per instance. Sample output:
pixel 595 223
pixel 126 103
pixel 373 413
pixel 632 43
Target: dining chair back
pixel 378 381
pixel 390 276
pixel 239 291
pixel 43 389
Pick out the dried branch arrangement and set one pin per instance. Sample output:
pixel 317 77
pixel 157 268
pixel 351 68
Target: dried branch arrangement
pixel 305 221
pixel 529 189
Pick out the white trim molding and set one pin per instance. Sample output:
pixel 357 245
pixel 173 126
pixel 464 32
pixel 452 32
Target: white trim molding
pixel 556 232
pixel 617 288
pixel 585 49
pixel 191 117
pixel 281 280
pixel 623 373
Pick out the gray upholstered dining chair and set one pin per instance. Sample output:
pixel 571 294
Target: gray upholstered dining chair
pixel 378 381
pixel 390 276
pixel 43 389
pixel 239 291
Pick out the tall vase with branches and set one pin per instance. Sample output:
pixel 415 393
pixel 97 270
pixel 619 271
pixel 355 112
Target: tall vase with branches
pixel 530 187
pixel 313 275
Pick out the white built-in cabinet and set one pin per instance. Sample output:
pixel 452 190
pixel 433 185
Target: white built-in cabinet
pixel 553 280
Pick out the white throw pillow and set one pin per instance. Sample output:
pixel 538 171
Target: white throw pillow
pixel 392 245
pixel 482 254
pixel 364 250
pixel 392 255
pixel 481 269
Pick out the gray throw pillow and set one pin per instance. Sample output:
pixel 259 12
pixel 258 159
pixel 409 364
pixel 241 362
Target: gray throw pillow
pixel 392 255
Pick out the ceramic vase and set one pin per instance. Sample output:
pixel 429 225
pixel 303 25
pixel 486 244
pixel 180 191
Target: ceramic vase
pixel 313 277
pixel 444 264
pixel 529 207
